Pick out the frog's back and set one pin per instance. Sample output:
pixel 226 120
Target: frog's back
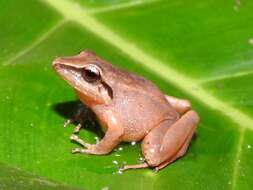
pixel 141 106
pixel 136 102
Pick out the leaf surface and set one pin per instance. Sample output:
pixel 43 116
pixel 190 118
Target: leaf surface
pixel 201 51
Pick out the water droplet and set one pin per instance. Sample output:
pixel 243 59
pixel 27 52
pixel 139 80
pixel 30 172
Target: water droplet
pixel 251 41
pixel 97 140
pixel 120 171
pixel 249 146
pixel 133 143
pixel 141 160
pixel 115 162
pixel 120 148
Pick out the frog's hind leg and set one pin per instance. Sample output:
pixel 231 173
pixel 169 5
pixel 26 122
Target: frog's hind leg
pixel 151 145
pixel 164 144
pixel 181 152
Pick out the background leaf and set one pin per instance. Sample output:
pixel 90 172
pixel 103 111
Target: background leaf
pixel 201 51
pixel 14 178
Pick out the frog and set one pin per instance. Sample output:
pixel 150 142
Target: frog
pixel 129 108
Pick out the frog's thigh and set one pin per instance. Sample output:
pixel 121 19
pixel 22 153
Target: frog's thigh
pixel 164 144
pixel 180 105
pixel 180 153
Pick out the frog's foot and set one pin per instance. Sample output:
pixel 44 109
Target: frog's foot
pixel 83 151
pixel 110 140
pixel 88 148
pixel 70 121
pixel 67 122
pixel 75 138
pixel 78 116
pixel 78 128
pixel 134 166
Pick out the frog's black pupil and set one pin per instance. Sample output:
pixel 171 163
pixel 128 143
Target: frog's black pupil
pixel 90 76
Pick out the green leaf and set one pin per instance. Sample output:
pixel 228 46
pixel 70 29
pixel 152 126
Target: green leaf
pixel 14 178
pixel 201 51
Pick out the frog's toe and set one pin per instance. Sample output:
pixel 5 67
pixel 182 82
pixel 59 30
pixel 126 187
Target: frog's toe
pixel 73 137
pixel 135 166
pixel 81 151
pixel 84 151
pixel 67 122
pixel 78 128
pixel 76 150
pixel 76 139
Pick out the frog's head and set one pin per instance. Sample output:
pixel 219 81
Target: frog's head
pixel 85 72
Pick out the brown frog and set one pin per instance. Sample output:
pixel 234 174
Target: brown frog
pixel 129 108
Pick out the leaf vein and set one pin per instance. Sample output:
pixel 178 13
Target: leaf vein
pixel 36 42
pixel 237 160
pixel 119 6
pixel 227 76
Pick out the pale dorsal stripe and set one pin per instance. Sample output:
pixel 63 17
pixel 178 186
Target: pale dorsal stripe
pixel 36 42
pixel 226 76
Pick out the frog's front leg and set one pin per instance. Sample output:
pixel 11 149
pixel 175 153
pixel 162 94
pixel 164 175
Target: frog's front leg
pixel 82 115
pixel 182 106
pixel 78 116
pixel 166 142
pixel 112 138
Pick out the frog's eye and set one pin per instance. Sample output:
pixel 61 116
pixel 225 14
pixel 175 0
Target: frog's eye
pixel 91 73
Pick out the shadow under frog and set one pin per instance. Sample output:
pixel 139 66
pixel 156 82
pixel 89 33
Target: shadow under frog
pixel 87 118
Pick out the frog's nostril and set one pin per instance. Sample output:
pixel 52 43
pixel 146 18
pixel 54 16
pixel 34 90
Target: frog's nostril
pixel 56 62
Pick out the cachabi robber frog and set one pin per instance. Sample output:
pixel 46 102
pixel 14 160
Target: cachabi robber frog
pixel 129 108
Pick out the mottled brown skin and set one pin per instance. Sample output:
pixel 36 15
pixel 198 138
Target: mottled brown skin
pixel 129 108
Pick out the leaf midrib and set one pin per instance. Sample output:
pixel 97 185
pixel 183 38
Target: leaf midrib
pixel 187 84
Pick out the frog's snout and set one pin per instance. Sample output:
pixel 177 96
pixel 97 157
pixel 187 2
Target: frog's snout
pixel 56 62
